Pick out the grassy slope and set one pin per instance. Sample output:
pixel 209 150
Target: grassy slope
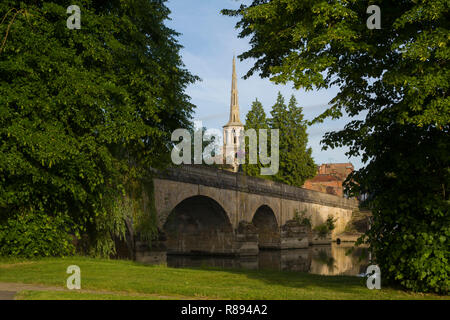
pixel 128 277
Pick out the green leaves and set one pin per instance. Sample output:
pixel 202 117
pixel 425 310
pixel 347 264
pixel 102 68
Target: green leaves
pixel 296 164
pixel 255 119
pixel 36 234
pixel 323 43
pixel 398 79
pixel 80 108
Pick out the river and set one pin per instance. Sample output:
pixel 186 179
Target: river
pixel 333 259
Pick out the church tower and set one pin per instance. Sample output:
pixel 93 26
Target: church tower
pixel 234 128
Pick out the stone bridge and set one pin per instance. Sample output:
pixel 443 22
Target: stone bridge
pixel 209 211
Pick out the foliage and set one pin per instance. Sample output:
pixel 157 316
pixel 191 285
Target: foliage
pixel 295 161
pixel 81 109
pixel 255 119
pixel 322 230
pixel 302 218
pixel 326 228
pixel 105 227
pixel 330 223
pixel 398 79
pixel 206 140
pixel 410 227
pixel 35 234
pixel 139 207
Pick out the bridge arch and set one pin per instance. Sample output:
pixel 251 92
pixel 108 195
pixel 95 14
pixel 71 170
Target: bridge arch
pixel 198 225
pixel 265 221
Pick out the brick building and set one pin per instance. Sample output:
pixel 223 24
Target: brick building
pixel 329 178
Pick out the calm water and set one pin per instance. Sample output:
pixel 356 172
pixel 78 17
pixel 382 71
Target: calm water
pixel 332 259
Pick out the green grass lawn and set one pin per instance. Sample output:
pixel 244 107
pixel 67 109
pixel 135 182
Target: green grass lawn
pixel 116 279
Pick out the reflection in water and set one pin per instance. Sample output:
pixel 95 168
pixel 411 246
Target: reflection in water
pixel 343 259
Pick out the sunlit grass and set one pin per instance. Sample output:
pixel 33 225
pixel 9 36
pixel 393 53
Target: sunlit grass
pixel 130 278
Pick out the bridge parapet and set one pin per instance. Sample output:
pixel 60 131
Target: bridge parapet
pixel 222 179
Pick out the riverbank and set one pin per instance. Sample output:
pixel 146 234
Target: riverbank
pixel 120 279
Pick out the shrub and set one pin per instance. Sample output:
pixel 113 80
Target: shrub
pixel 330 223
pixel 36 234
pixel 302 219
pixel 325 228
pixel 322 230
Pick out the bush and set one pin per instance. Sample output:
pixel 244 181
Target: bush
pixel 330 223
pixel 409 187
pixel 325 228
pixel 415 253
pixel 322 230
pixel 302 219
pixel 36 234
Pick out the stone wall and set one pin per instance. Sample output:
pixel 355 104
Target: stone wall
pixel 241 197
pixel 222 179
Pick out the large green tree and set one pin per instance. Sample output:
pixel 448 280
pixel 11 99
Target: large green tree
pixel 295 160
pixel 82 109
pixel 296 163
pixel 256 120
pixel 398 78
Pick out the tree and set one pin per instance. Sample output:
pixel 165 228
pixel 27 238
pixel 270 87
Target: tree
pixel 256 119
pixel 295 163
pixel 82 109
pixel 205 140
pixel 280 121
pixel 398 78
pixel 298 164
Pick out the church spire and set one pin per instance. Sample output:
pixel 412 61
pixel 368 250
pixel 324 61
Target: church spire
pixel 234 129
pixel 234 105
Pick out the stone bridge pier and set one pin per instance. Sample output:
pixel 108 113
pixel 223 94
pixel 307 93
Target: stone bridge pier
pixel 208 211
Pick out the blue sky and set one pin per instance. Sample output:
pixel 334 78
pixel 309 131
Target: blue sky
pixel 209 41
